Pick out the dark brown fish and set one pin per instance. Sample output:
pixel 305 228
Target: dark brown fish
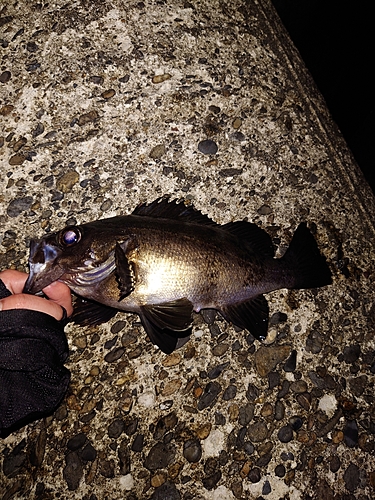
pixel 167 260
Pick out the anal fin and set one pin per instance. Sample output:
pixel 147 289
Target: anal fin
pixel 251 315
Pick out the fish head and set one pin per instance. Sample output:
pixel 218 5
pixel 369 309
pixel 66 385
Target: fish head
pixel 66 256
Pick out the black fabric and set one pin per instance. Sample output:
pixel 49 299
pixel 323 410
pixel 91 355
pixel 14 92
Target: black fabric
pixel 33 379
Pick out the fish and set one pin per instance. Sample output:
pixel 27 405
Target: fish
pixel 166 261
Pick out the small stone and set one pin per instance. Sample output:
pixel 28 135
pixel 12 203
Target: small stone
pixel 267 358
pixel 98 80
pixel 164 425
pixel 39 129
pixel 209 482
pixel 128 339
pixel 114 355
pixel 254 475
pixel 166 491
pixel 277 318
pixel 77 442
pixel 296 422
pixel 106 205
pixel 171 387
pixel 89 453
pixel 217 370
pixel 230 392
pixel 5 76
pixel 267 410
pixel 160 456
pixel 19 205
pixel 172 359
pixel 220 349
pixel 124 458
pixel 237 122
pixel 208 147
pixel 230 172
pixel 314 342
pixel 352 477
pixel 257 432
pixel 158 479
pixel 73 470
pixel 14 462
pixel 161 78
pixel 157 151
pixel 17 159
pixel 6 110
pixel 246 414
pixel 238 136
pixel 38 450
pixel 280 470
pixel 237 489
pixel 80 341
pixel 107 94
pixel 107 468
pixel 264 210
pixel 273 380
pixel 118 326
pixel 351 353
pixel 298 386
pixel 358 385
pixel 266 490
pixel 335 463
pixel 285 434
pixel 192 450
pixel 337 437
pixel 66 182
pixel 351 434
pixel 90 117
pixel 204 430
pixel 279 410
pixel 138 443
pixel 116 428
pixel 210 393
pixel 291 362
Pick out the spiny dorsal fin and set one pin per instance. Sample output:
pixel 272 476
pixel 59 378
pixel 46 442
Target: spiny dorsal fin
pixel 176 210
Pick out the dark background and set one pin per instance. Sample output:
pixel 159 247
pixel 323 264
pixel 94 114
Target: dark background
pixel 336 42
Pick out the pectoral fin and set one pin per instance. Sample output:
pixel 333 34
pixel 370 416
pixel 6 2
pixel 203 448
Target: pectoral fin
pixel 124 270
pixel 165 323
pixel 251 315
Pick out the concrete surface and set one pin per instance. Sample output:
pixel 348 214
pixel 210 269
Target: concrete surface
pixel 105 105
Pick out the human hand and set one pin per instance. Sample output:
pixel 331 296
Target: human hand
pixel 58 296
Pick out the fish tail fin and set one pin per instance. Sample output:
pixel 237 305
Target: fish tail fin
pixel 307 266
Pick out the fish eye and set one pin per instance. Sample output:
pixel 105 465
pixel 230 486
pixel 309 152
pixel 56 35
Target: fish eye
pixel 70 236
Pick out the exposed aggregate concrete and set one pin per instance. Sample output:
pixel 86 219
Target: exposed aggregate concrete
pixel 104 105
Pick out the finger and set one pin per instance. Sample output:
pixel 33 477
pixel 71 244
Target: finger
pixel 60 294
pixel 32 302
pixel 13 280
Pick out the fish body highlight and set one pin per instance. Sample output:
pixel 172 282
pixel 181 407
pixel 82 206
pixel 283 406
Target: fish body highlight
pixel 167 260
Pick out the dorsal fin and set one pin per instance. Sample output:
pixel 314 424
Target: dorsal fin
pixel 252 236
pixel 176 210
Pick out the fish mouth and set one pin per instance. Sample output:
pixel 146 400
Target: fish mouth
pixel 42 266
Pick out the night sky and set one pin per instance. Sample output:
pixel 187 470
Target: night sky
pixel 336 41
